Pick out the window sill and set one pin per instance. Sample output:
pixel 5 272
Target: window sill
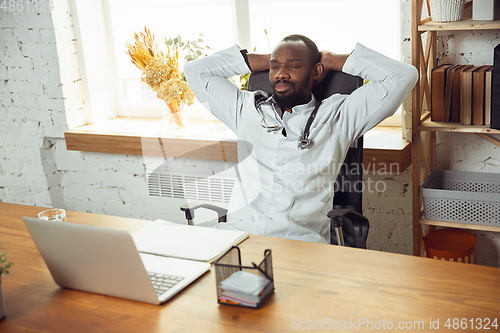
pixel 384 149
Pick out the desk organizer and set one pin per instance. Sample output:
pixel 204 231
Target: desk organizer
pixel 464 197
pixel 230 263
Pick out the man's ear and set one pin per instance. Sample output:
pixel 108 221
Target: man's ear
pixel 318 70
pixel 318 74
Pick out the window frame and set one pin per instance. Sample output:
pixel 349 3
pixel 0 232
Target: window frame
pixel 103 100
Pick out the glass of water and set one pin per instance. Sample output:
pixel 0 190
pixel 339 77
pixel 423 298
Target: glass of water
pixel 55 214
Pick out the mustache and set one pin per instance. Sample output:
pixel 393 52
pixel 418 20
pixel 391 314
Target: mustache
pixel 282 81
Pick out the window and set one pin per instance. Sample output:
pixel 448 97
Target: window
pixel 165 19
pixel 335 25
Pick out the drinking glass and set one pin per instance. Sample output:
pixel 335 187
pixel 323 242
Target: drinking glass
pixel 55 214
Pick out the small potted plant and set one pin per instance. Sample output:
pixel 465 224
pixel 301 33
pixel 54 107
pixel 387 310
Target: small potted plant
pixel 4 270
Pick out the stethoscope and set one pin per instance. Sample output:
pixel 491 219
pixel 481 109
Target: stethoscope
pixel 262 99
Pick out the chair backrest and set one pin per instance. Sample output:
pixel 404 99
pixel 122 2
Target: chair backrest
pixel 348 187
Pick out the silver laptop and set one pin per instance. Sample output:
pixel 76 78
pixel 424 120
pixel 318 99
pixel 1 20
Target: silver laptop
pixel 106 261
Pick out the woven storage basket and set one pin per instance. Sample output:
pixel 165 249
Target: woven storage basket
pixel 460 196
pixel 447 10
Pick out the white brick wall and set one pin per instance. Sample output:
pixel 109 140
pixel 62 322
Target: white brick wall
pixel 389 212
pixel 39 84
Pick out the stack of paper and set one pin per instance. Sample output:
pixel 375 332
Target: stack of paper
pixel 245 288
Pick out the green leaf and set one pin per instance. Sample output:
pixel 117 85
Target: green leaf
pixel 199 52
pixel 176 41
pixel 169 42
pixel 181 44
pixel 200 40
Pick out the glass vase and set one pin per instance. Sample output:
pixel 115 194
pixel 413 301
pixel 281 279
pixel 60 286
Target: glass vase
pixel 176 116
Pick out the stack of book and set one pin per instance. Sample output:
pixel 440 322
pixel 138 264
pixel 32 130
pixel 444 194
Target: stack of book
pixel 461 94
pixel 244 288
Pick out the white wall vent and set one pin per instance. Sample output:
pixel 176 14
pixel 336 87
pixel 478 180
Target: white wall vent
pixel 190 187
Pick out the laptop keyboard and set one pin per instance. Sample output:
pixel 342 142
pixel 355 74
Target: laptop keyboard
pixel 163 282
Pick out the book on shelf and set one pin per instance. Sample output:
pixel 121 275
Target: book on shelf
pixel 466 96
pixel 186 242
pixel 487 95
pixel 438 83
pixel 478 95
pixel 495 87
pixel 448 94
pixel 455 103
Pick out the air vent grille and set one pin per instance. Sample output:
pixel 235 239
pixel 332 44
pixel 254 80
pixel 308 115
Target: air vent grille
pixel 193 187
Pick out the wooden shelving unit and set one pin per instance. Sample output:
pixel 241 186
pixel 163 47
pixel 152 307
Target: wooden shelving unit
pixel 466 24
pixel 424 57
pixel 423 221
pixel 437 126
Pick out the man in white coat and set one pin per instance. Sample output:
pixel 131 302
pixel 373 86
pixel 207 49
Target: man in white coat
pixel 286 178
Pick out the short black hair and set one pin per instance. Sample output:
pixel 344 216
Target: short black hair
pixel 314 54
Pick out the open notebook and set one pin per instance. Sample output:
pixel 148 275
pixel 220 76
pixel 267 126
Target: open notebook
pixel 186 242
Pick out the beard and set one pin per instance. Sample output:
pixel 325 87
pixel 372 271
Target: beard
pixel 295 96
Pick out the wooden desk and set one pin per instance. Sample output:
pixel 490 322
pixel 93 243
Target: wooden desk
pixel 314 284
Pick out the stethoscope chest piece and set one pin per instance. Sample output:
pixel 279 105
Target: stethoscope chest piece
pixel 304 142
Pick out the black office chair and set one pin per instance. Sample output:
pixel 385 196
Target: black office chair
pixel 347 222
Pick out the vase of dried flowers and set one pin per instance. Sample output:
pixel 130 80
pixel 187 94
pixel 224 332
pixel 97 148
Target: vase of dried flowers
pixel 161 72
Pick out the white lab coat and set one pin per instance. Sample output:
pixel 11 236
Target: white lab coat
pixel 283 191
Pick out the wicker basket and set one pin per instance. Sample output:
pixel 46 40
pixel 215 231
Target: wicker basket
pixel 447 10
